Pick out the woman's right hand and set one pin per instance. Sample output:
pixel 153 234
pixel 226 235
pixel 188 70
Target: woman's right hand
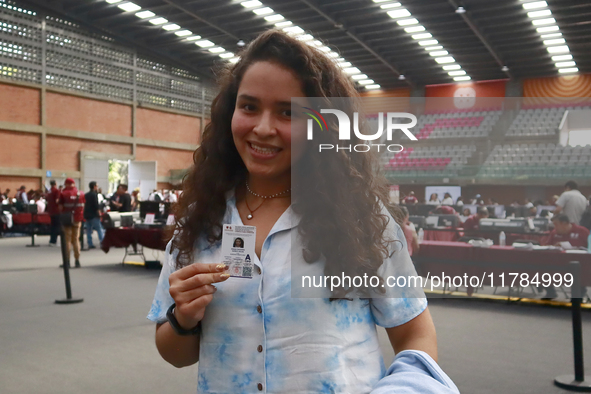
pixel 192 290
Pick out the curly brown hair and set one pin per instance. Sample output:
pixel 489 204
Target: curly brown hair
pixel 339 196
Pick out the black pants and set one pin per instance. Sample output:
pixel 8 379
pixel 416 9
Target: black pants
pixel 54 230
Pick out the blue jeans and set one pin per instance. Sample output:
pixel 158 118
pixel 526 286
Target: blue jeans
pixel 93 224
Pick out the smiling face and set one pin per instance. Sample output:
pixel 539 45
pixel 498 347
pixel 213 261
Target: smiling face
pixel 262 120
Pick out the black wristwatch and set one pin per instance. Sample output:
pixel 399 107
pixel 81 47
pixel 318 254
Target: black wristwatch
pixel 177 327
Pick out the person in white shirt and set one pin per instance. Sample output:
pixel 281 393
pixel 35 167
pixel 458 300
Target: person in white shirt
pixel 447 200
pixel 571 202
pixel 433 200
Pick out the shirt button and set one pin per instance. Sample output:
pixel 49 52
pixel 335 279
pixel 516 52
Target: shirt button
pixel 260 386
pixel 259 309
pixel 260 348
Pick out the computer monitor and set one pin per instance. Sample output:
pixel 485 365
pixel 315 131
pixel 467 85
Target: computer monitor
pixel 448 221
pixel 418 221
pixel 126 220
pixel 149 207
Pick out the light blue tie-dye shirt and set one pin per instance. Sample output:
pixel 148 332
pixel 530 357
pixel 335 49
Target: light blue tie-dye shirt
pixel 256 336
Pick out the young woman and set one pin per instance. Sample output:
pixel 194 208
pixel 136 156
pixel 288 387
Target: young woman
pixel 251 335
pixel 433 200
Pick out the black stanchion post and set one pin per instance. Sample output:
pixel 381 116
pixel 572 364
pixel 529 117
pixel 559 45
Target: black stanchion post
pixel 66 265
pixel 577 381
pixel 33 228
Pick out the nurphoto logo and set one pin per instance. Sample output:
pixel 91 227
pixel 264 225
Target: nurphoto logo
pixel 393 120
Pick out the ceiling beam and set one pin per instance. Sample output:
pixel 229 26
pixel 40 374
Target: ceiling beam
pixel 356 39
pixel 466 17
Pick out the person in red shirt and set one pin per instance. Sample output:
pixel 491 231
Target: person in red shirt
pixel 410 199
pixel 473 221
pixel 54 212
pixel 72 200
pixel 565 231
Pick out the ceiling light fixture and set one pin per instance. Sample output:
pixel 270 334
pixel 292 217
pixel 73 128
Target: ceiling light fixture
pixel 129 7
pixel 456 73
pixel 226 55
pixel 428 42
pixel 251 4
pixel 274 18
pixel 558 49
pixel 283 24
pixel 534 5
pixel 460 10
pixel 204 44
pixel 464 78
pixel 296 30
pixel 263 11
pixel 171 27
pixel 372 87
pixel 406 22
pixel 539 14
pixel 565 64
pixel 452 67
pixel 568 70
pixel 359 76
pixel 555 41
pixel 504 69
pixel 193 38
pixel 145 14
pixel 401 77
pixel 365 81
pixel 401 13
pixel 183 33
pixel 438 53
pixel 562 57
pixel 540 22
pixel 388 6
pixel 547 29
pixel 217 50
pixel 158 21
pixel 433 48
pixel 445 59
pixel 421 36
pixel 414 29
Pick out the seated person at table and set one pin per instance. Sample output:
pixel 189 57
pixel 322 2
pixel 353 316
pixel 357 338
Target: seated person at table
pixel 473 222
pixel 444 210
pixel 565 231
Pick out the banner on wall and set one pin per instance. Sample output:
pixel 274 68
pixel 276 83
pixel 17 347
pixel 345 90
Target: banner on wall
pixel 470 96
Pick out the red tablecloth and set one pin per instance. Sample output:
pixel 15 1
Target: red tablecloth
pixel 122 237
pixel 449 235
pixel 28 218
pixel 457 258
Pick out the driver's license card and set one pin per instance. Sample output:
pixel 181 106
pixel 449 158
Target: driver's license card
pixel 238 249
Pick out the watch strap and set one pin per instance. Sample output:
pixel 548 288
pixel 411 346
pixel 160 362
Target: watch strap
pixel 177 327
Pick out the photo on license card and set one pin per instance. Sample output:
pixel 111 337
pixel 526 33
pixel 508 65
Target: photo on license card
pixel 238 249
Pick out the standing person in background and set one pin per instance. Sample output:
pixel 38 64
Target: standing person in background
pixel 135 199
pixel 92 214
pixel 447 200
pixel 460 201
pixel 22 200
pixel 410 199
pixel 571 203
pixel 53 209
pixel 171 197
pixel 155 196
pixel 433 200
pixel 121 200
pixel 410 233
pixel 72 200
